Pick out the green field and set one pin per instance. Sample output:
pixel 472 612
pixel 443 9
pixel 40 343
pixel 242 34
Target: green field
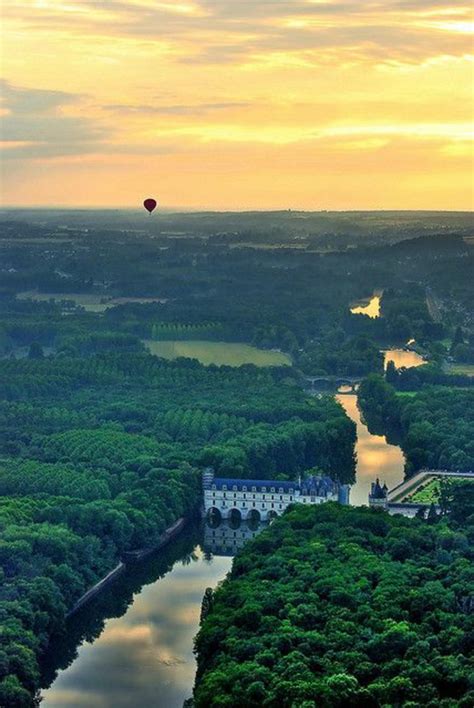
pixel 220 353
pixel 467 369
pixel 426 493
pixel 91 302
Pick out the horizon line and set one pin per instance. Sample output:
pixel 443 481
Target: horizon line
pixel 190 209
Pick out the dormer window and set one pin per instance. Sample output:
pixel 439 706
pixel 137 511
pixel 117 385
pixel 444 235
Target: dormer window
pixel 234 488
pixel 244 488
pixel 280 491
pixel 291 490
pixel 254 489
pixel 272 489
pixel 264 489
pixel 224 487
pixel 213 486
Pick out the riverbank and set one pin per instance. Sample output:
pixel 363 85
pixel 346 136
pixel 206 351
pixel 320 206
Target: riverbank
pixel 128 558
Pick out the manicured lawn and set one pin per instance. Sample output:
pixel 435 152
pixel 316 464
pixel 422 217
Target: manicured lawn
pixel 219 353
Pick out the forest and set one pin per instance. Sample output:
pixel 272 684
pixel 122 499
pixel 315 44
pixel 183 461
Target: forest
pixel 99 455
pixel 102 445
pixel 334 606
pixel 434 426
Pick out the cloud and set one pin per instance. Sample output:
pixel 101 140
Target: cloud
pixel 36 126
pixel 176 109
pixel 233 31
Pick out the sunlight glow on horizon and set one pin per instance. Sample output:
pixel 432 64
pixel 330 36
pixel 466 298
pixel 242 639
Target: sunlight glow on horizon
pixel 300 104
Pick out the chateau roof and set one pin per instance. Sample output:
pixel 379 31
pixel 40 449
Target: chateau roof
pixel 230 482
pixel 316 486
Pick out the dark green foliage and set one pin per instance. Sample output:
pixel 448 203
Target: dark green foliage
pixel 101 454
pixel 337 355
pixel 435 425
pixel 323 609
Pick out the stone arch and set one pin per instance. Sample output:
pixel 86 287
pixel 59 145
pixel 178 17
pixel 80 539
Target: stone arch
pixel 234 517
pixel 272 514
pixel 254 515
pixel 214 516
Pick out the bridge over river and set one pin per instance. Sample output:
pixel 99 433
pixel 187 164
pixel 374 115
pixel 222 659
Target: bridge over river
pixel 333 382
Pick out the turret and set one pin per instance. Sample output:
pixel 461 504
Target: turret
pixel 207 478
pixel 378 495
pixel 343 494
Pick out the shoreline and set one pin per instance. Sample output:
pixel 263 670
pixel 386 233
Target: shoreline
pixel 128 558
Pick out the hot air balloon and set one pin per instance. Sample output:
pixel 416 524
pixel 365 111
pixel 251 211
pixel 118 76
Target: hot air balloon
pixel 149 204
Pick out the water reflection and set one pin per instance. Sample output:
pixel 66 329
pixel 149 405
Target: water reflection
pixel 403 357
pixel 375 456
pixel 145 649
pixel 224 539
pixel 370 308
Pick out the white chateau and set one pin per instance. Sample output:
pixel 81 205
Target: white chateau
pixel 264 499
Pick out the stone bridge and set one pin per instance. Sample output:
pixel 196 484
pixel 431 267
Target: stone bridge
pixel 334 381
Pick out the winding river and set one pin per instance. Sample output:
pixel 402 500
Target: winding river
pixel 133 645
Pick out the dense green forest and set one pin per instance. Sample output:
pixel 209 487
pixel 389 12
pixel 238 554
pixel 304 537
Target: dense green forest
pixel 101 454
pixel 335 606
pixel 102 445
pixel 434 426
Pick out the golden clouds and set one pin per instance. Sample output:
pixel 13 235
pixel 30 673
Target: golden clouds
pixel 283 92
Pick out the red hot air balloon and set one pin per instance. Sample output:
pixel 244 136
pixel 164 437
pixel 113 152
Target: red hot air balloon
pixel 149 204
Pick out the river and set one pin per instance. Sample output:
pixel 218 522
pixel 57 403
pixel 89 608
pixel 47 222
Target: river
pixel 133 645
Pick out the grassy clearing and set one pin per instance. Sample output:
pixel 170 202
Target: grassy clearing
pixel 219 353
pixel 466 369
pixel 92 302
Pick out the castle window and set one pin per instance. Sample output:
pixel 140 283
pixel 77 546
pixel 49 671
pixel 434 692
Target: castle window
pixel 224 487
pixel 280 491
pixel 272 489
pixel 254 489
pixel 244 488
pixel 234 488
pixel 264 489
pixel 291 490
pixel 213 486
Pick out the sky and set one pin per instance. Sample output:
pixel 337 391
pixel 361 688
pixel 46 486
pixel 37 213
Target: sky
pixel 238 104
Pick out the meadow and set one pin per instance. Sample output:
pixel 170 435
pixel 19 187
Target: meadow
pixel 219 353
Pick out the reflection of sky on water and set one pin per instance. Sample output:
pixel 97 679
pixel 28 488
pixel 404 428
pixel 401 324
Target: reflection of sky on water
pixel 375 457
pixel 372 308
pixel 400 357
pixel 144 658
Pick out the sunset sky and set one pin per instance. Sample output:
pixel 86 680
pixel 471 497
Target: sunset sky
pixel 235 104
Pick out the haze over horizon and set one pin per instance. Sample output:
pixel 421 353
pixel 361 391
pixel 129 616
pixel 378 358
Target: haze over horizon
pixel 235 105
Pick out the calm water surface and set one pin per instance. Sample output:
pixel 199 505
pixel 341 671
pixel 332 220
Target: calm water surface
pixel 133 645
pixel 370 308
pixel 375 456
pixel 144 657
